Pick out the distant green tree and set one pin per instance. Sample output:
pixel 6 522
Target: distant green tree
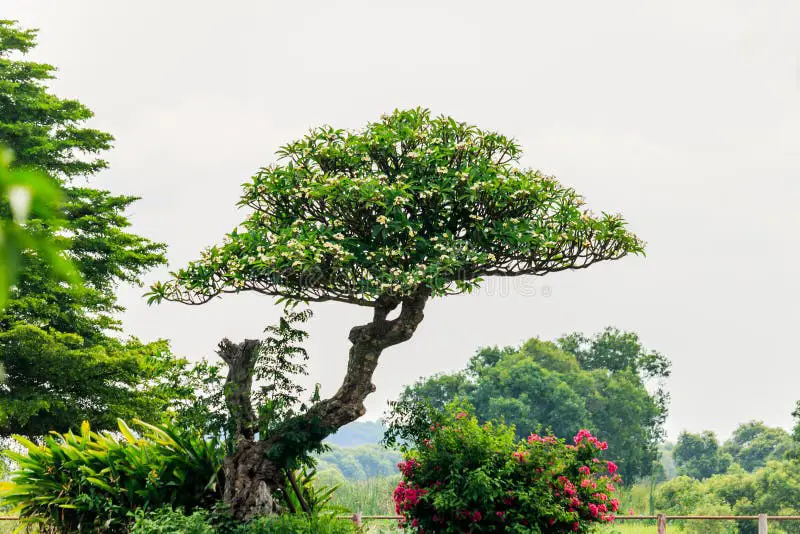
pixel 753 444
pixel 72 321
pixel 617 351
pixel 522 389
pixel 700 455
pixel 542 385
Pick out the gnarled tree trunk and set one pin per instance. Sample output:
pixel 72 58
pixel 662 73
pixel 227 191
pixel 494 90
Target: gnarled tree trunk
pixel 252 480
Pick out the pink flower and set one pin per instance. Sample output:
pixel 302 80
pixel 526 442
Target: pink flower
pixel 612 467
pixel 520 455
pixel 408 467
pixel 461 415
pixel 576 526
pixel 584 470
pixel 593 510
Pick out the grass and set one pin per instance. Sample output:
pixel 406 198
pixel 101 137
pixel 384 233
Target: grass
pixel 372 496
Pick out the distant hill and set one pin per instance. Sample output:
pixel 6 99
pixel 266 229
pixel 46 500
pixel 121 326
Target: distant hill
pixel 359 463
pixel 358 433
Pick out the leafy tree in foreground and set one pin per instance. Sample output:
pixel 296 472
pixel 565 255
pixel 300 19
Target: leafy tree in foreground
pixel 47 325
pixel 700 455
pixel 409 208
pixel 25 193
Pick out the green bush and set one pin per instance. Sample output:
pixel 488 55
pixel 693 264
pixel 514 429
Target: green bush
pixel 465 477
pixel 90 481
pixel 298 523
pixel 168 521
pixel 201 522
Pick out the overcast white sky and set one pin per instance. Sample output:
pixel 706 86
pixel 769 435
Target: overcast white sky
pixel 682 115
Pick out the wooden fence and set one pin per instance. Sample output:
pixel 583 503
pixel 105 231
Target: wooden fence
pixel 660 519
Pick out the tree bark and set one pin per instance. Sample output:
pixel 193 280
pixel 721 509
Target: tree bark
pixel 251 479
pixel 241 359
pixel 252 482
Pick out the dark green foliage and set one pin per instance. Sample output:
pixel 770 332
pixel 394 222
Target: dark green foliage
pixel 300 524
pixel 87 481
pixel 564 387
pixel 204 410
pixel 49 134
pixel 700 455
pixel 753 444
pixel 28 194
pixel 168 521
pixel 54 380
pixel 43 130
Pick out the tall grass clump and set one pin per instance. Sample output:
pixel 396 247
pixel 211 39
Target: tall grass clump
pixel 372 496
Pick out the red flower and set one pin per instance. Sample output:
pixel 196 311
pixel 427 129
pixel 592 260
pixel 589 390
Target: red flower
pixel 612 467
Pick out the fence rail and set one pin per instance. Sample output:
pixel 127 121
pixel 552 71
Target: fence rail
pixel 660 519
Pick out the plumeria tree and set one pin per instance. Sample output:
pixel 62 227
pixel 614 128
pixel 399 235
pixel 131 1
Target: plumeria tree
pixel 409 208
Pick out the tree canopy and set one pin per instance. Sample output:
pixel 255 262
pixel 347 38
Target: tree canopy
pixel 407 202
pixel 70 322
pixel 753 444
pixel 700 455
pixel 540 384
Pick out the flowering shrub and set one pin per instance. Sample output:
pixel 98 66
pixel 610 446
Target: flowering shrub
pixel 467 477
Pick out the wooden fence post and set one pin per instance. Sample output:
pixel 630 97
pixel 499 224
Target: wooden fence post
pixel 762 523
pixel 661 523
